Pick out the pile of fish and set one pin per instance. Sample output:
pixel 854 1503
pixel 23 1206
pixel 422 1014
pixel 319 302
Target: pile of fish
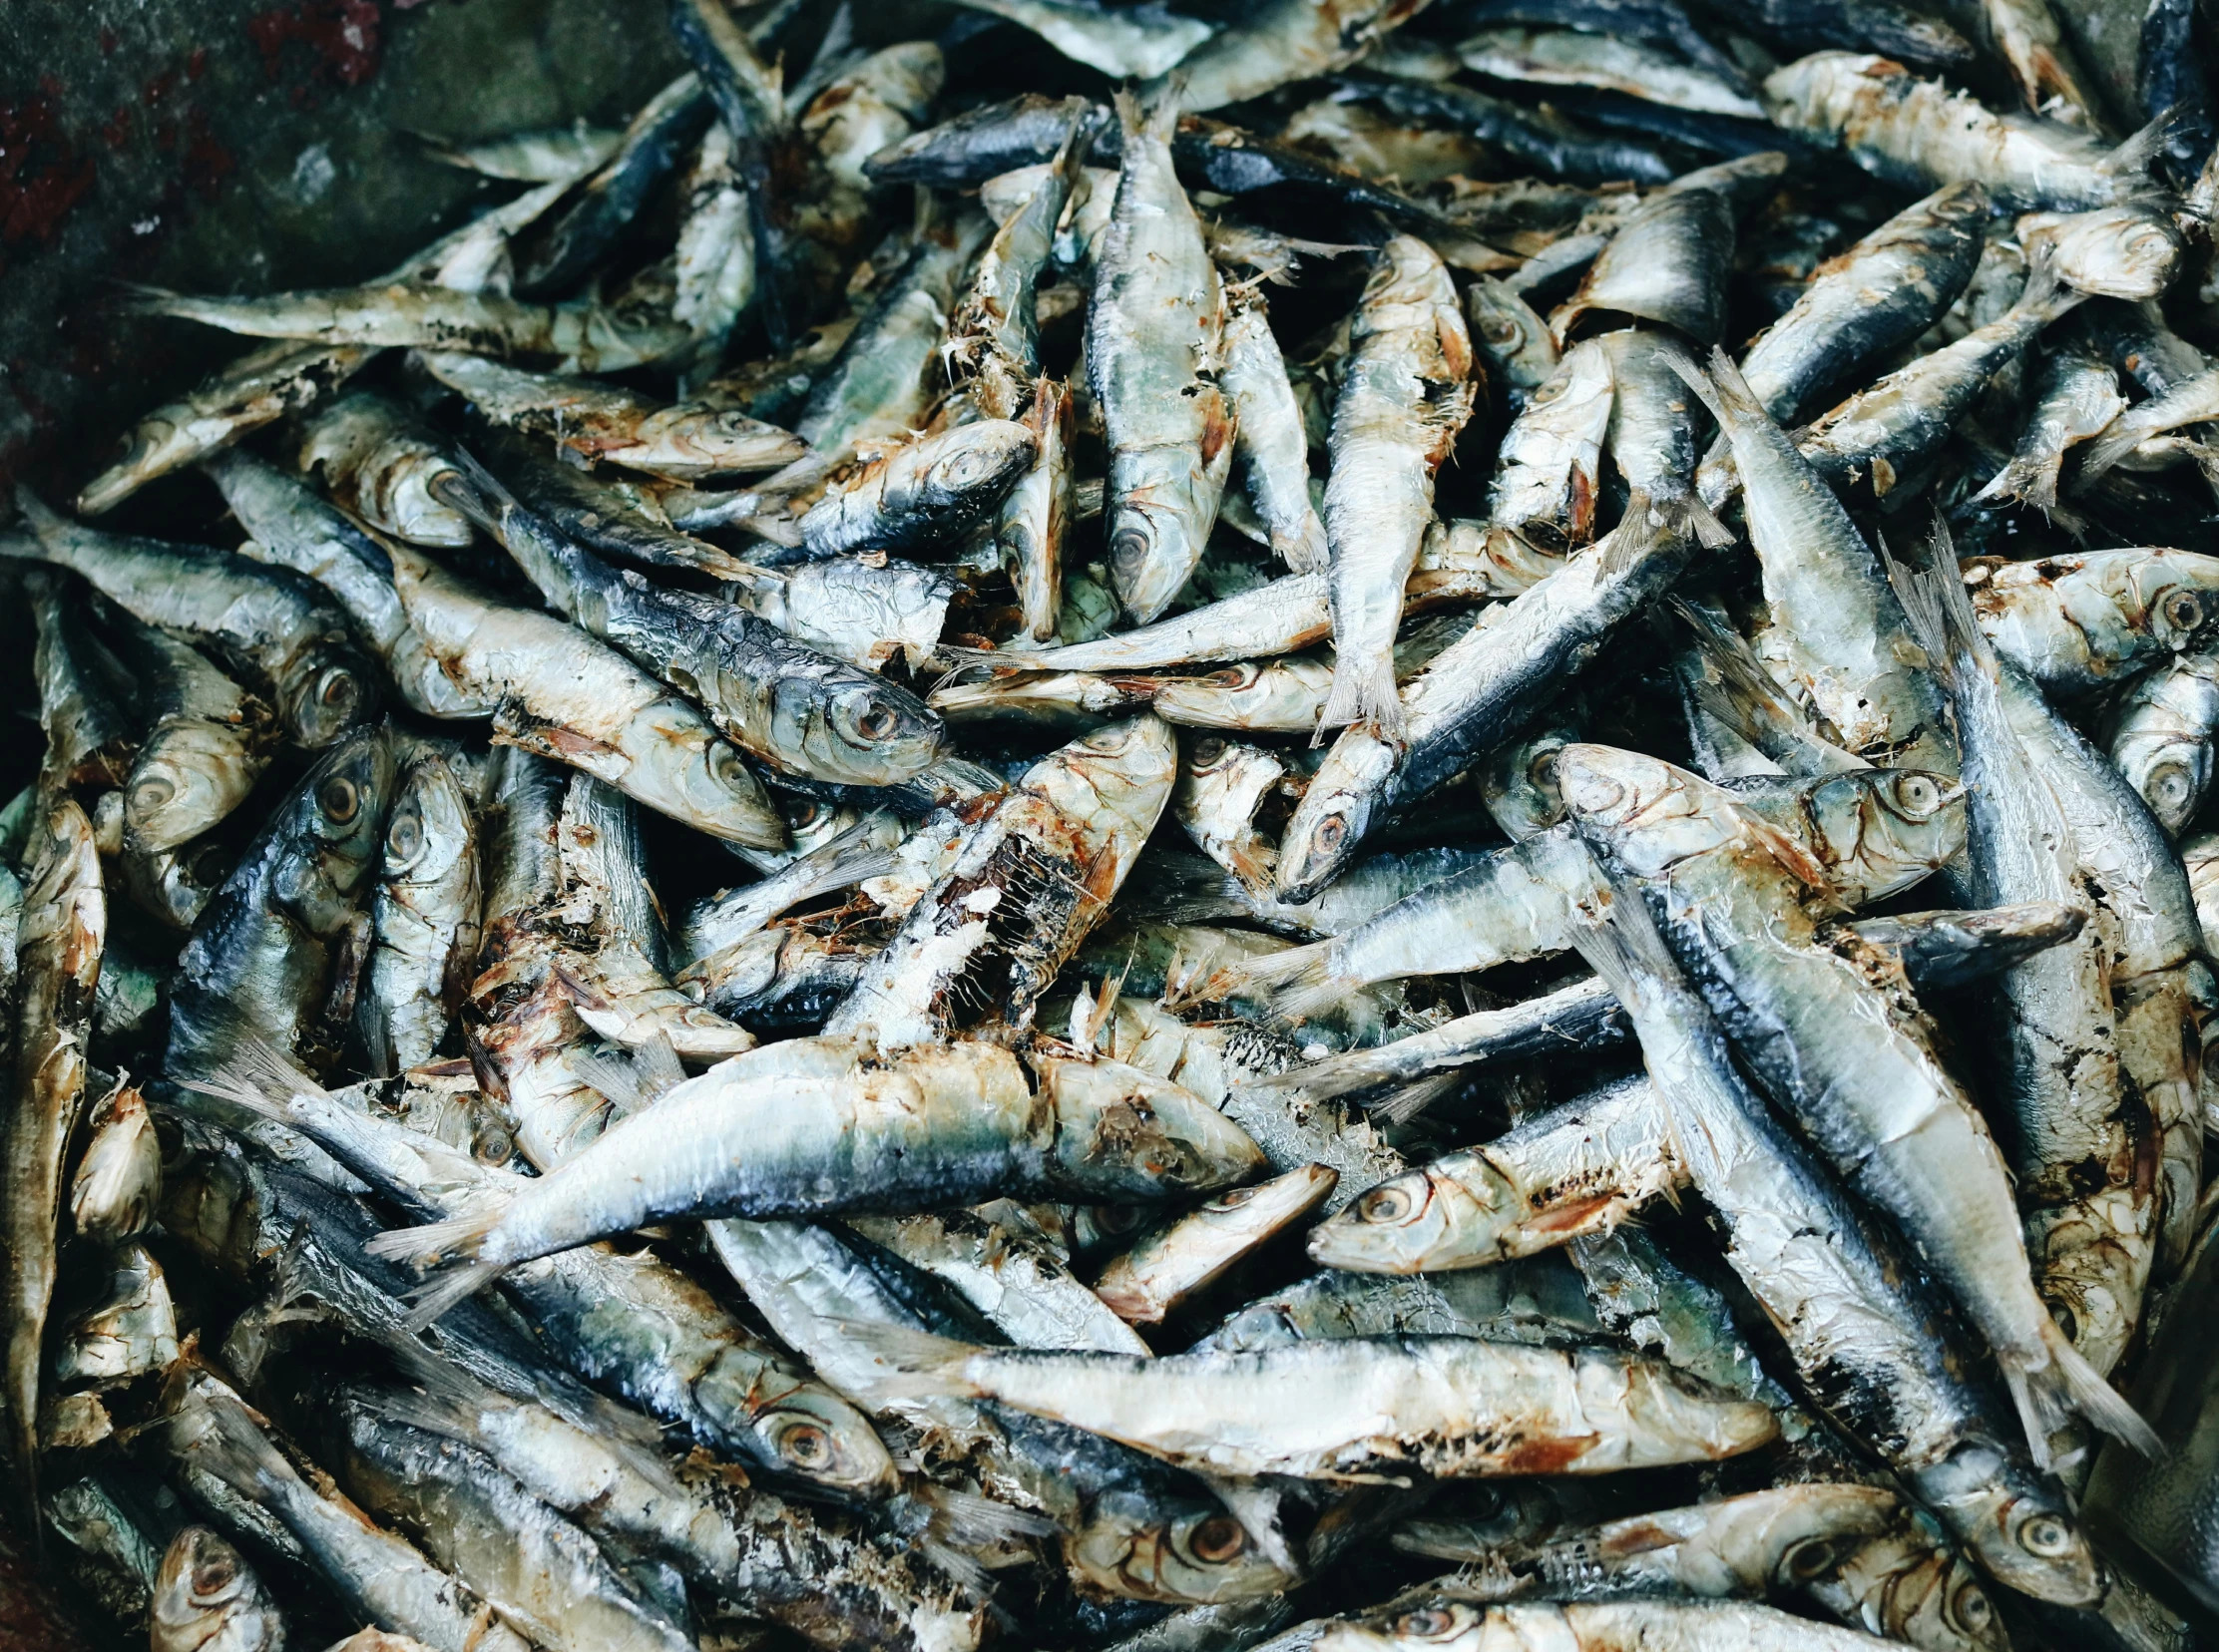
pixel 1386 838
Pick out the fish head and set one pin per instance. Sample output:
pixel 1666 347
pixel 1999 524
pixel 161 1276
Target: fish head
pixel 819 1438
pixel 1114 785
pixel 204 1593
pixel 1650 814
pixel 1182 1552
pixel 976 461
pixel 1882 830
pixel 2171 773
pixel 1512 334
pixel 331 828
pixel 2016 1523
pixel 1410 1221
pixel 860 730
pixel 1444 1624
pixel 685 770
pixel 1825 91
pixel 1163 501
pixel 1124 1133
pixel 1335 812
pixel 399 489
pixel 2171 596
pixel 187 777
pixel 430 828
pixel 326 690
pixel 1520 784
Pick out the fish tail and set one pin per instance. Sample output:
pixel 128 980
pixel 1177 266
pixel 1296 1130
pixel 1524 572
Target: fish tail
pixel 2140 148
pixel 1266 975
pixel 1402 1105
pixel 2064 1385
pixel 431 1243
pixel 1304 551
pixel 1363 692
pixel 1722 389
pixel 2044 298
pixel 2108 449
pixel 1312 993
pixel 425 1307
pixel 916 1362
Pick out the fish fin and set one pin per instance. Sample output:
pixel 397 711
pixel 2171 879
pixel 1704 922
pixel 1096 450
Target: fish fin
pixel 1363 692
pixel 43 518
pixel 958 1567
pixel 1186 889
pixel 968 1520
pixel 1621 946
pixel 1252 862
pixel 259 1077
pixel 1304 551
pixel 1268 973
pixel 920 1363
pixel 432 1243
pixel 1741 675
pixel 435 1299
pixel 2063 1385
pixel 471 489
pixel 1402 1105
pixel 2046 296
pixel 2135 152
pixel 1721 389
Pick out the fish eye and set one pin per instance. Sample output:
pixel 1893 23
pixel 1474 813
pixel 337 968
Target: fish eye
pixel 1972 1608
pixel 214 1574
pixel 1231 1201
pixel 2171 788
pixel 1541 771
pixel 339 799
pixel 724 767
pixel 1116 1219
pixel 1500 329
pixel 1384 1205
pixel 1428 1623
pixel 1131 545
pixel 2183 610
pixel 336 686
pixel 405 839
pixel 1331 830
pixel 492 1145
pixel 152 793
pixel 1208 752
pixel 878 723
pixel 805 1446
pixel 1808 1559
pixel 2047 1536
pixel 1218 1539
pixel 1916 795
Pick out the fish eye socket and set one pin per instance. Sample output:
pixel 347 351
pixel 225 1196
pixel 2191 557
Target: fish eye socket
pixel 877 723
pixel 213 1575
pixel 1500 329
pixel 1129 545
pixel 406 837
pixel 1916 795
pixel 1541 771
pixel 2183 610
pixel 1218 1539
pixel 1208 752
pixel 492 1145
pixel 805 1446
pixel 1331 830
pixel 1233 1200
pixel 2047 1536
pixel 339 799
pixel 337 687
pixel 1384 1205
pixel 151 792
pixel 1116 1219
pixel 2172 785
pixel 1972 1608
pixel 724 767
pixel 1427 1624
pixel 1808 1559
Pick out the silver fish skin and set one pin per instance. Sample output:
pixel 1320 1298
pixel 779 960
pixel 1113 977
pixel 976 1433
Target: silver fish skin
pixel 825 1099
pixel 1452 1405
pixel 1838 629
pixel 2161 736
pixel 1547 483
pixel 1575 1169
pixel 1593 1626
pixel 278 625
pixel 1018 1285
pixel 379 461
pixel 1668 259
pixel 1735 696
pixel 533 1567
pixel 1288 40
pixel 85 694
pixel 1474 695
pixel 1187 891
pixel 207 743
pixel 129 1330
pixel 117 1185
pixel 2076 396
pixel 1145 1285
pixel 206 1599
pixel 1121 43
pixel 1270 619
pixel 1509 332
pixel 289 527
pixel 1876 296
pixel 2145 912
pixel 925 494
pixel 584 338
pixel 1893 1117
pixel 423 920
pixel 1038 511
pixel 773 697
pixel 862 851
pixel 1155 327
pixel 2132 250
pixel 1872 1346
pixel 286 926
pixel 1651 438
pixel 1268 441
pixel 860 610
pixel 715 255
pixel 379 1576
pixel 593 423
pixel 994 335
pixel 1537 1300
pixel 238 398
pixel 1220 787
pixel 1405 395
pixel 1886 430
pixel 1033 876
pixel 870 102
pixel 568 696
pixel 2192 401
pixel 1920 134
pixel 2078 622
pixel 537 154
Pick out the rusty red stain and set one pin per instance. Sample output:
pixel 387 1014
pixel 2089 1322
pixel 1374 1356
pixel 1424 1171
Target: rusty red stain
pixel 109 41
pixel 340 35
pixel 41 177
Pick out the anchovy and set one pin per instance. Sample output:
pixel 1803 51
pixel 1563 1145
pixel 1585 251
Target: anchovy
pixel 1877 297
pixel 1154 331
pixel 1405 396
pixel 1918 134
pixel 276 626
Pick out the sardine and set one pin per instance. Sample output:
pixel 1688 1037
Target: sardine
pixel 1667 262
pixel 1147 1284
pixel 1268 441
pixel 128 1331
pixel 2076 397
pixel 2161 738
pixel 1405 396
pixel 2192 401
pixel 1220 788
pixel 715 255
pixel 423 920
pixel 620 518
pixel 206 1599
pixel 2078 622
pixel 276 626
pixel 1289 40
pixel 1571 57
pixel 536 155
pixel 118 1184
pixel 2125 252
pixel 1547 483
pixel 1592 1626
pixel 1512 336
pixel 1153 330
pixel 377 458
pixel 63 931
pixel 86 694
pixel 1122 42
pixel 601 205
pixel 923 495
